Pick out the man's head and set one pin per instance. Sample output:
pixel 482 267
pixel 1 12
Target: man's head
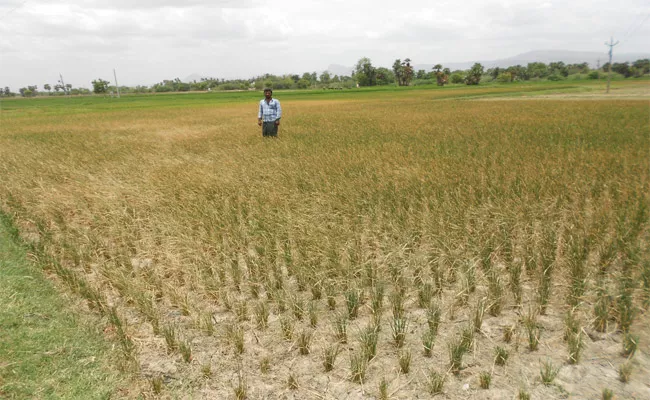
pixel 268 93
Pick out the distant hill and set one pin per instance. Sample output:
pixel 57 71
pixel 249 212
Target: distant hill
pixel 568 57
pixel 340 70
pixel 546 56
pixel 193 77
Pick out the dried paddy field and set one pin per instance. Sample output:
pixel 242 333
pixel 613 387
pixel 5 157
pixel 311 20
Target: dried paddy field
pixel 389 245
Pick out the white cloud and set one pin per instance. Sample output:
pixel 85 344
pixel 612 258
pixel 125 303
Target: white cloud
pixel 151 40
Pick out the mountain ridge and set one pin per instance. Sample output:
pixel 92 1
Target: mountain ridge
pixel 592 58
pixel 546 56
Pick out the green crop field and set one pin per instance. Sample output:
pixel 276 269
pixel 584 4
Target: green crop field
pixel 472 242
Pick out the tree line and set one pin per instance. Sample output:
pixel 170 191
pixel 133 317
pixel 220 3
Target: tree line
pixel 403 74
pixel 364 73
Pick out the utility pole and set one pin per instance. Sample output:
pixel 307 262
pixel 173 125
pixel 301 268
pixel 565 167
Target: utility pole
pixel 116 85
pixel 611 45
pixel 65 90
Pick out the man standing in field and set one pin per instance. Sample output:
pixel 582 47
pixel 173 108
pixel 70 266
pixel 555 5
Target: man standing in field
pixel 269 114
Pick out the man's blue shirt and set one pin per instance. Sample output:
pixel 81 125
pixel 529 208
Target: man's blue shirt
pixel 270 111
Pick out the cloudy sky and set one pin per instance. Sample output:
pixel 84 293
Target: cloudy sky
pixel 147 41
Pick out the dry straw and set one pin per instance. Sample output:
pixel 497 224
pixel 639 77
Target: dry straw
pixel 174 220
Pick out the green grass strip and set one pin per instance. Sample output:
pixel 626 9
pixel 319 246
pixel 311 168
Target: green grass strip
pixel 47 351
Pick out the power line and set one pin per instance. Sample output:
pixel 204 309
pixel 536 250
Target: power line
pixel 634 27
pixel 14 9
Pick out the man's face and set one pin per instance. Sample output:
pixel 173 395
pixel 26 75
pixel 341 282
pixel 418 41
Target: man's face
pixel 267 94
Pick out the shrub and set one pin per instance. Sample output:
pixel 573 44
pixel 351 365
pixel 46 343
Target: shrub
pixel 457 78
pixel 504 77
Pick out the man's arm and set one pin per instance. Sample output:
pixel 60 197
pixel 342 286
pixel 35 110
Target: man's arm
pixel 259 115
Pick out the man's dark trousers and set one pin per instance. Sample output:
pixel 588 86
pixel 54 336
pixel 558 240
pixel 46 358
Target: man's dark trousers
pixel 269 129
